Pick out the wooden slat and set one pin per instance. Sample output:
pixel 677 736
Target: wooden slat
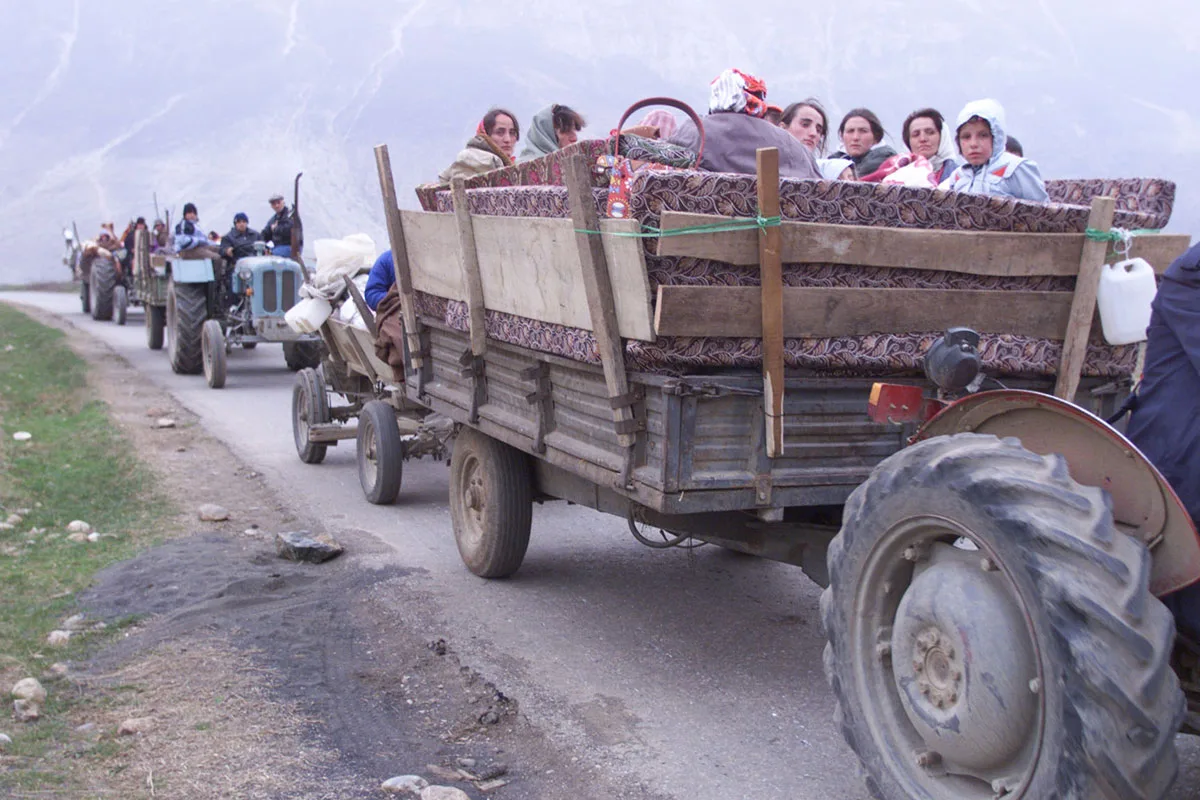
pixel 468 258
pixel 395 228
pixel 598 286
pixel 736 311
pixel 1083 306
pixel 530 267
pixel 770 245
pixel 1158 249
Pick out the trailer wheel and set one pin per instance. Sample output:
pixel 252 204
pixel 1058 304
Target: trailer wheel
pixel 187 308
pixel 992 633
pixel 212 348
pixel 120 304
pixel 380 453
pixel 156 321
pixel 102 280
pixel 309 407
pixel 491 504
pixel 302 355
pixel 85 297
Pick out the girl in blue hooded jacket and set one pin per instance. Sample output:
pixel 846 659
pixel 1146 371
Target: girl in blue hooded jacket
pixel 990 169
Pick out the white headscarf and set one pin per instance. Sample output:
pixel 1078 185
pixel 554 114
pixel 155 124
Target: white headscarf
pixel 728 93
pixel 832 168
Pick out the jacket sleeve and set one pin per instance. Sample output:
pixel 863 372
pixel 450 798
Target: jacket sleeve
pixel 1026 182
pixel 1178 305
pixel 383 275
pixel 226 243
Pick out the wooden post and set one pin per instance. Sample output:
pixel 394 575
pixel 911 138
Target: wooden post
pixel 469 259
pixel 770 246
pixel 598 287
pixel 1083 304
pixel 395 228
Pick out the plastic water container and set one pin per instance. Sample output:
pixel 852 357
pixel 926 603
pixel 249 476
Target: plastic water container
pixel 308 315
pixel 1126 291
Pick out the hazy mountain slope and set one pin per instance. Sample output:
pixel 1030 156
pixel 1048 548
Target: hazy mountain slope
pixel 105 104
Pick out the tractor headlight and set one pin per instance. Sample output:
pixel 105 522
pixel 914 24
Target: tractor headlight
pixel 245 275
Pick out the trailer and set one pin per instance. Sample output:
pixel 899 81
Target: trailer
pixel 895 389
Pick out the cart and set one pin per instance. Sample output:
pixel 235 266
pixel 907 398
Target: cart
pixel 149 288
pixel 740 365
pixel 387 427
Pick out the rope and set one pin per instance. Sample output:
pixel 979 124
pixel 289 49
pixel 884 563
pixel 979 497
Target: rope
pixel 1117 234
pixel 651 232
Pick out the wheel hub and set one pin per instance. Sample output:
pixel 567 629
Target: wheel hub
pixel 964 662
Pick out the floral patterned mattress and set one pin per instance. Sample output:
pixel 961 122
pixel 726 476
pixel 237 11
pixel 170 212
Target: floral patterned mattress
pixel 535 189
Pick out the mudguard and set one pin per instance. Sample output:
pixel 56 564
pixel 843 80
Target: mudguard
pixel 191 270
pixel 1143 503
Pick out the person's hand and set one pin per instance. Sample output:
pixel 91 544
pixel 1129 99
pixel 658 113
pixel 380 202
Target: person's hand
pixel 229 252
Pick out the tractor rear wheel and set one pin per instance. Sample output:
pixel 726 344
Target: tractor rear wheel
pixel 102 281
pixel 187 308
pixel 992 633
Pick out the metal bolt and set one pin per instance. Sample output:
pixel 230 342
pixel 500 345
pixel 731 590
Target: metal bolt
pixel 914 553
pixel 954 697
pixel 956 676
pixel 918 666
pixel 928 758
pixel 925 689
pixel 949 651
pixel 987 565
pixel 1035 686
pixel 883 650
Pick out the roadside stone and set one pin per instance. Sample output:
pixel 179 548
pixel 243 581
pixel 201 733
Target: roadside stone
pixel 14 519
pixel 79 538
pixel 79 526
pixel 22 436
pixel 489 717
pixel 443 793
pixel 303 546
pixel 58 638
pixel 94 537
pixel 164 422
pixel 26 711
pixel 493 771
pixel 4 742
pixel 155 411
pixel 74 623
pixel 211 512
pixel 467 763
pixel 58 669
pixel 443 773
pixel 405 785
pixel 491 786
pixel 29 689
pixel 5 526
pixel 136 725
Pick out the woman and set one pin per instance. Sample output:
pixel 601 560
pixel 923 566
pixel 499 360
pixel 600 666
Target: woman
pixel 806 121
pixel 490 148
pixel 862 141
pixel 926 134
pixel 553 128
pixel 990 168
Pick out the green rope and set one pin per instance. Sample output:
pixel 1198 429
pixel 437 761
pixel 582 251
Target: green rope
pixel 651 232
pixel 1116 234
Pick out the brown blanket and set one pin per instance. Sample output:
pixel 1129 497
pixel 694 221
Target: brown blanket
pixel 389 343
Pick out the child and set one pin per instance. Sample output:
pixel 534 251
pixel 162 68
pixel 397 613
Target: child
pixel 990 168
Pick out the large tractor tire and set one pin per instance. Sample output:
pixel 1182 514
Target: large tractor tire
pixel 491 504
pixel 187 308
pixel 156 323
pixel 303 355
pixel 380 453
pixel 101 281
pixel 120 304
pixel 85 297
pixel 212 349
pixel 992 633
pixel 310 406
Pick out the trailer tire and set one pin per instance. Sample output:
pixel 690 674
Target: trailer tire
pixel 156 322
pixel 491 504
pixel 120 304
pixel 187 308
pixel 85 297
pixel 212 347
pixel 1066 689
pixel 102 280
pixel 380 453
pixel 310 406
pixel 302 355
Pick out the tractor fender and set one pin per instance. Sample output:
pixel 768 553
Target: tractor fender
pixel 1143 503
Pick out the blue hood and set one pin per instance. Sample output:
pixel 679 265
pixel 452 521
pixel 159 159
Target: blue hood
pixel 991 112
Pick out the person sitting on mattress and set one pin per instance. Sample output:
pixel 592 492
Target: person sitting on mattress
pixel 490 148
pixel 990 168
pixel 735 128
pixel 553 128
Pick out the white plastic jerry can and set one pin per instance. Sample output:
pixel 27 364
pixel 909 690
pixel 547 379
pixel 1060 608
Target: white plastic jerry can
pixel 1126 291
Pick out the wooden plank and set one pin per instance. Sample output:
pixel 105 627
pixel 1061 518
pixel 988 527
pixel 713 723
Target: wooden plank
pixel 395 228
pixel 1158 249
pixel 770 252
pixel 598 287
pixel 817 312
pixel 468 258
pixel 1083 306
pixel 530 267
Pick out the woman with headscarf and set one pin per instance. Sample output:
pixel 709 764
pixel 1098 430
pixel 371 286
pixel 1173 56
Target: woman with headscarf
pixel 553 128
pixel 735 129
pixel 806 121
pixel 990 168
pixel 490 148
pixel 862 141
pixel 926 134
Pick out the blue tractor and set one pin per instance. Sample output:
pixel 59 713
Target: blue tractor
pixel 211 310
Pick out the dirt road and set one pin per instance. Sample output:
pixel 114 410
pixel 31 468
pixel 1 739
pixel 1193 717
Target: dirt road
pixel 671 674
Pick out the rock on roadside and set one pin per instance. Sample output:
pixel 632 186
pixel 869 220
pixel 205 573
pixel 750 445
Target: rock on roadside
pixel 79 526
pixel 211 512
pixel 4 742
pixel 136 725
pixel 443 793
pixel 405 785
pixel 29 689
pixel 58 638
pixel 303 546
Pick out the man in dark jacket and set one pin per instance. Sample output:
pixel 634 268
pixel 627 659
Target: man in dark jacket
pixel 1166 420
pixel 279 229
pixel 239 242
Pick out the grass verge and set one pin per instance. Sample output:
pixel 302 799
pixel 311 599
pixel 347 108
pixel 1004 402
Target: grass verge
pixel 75 465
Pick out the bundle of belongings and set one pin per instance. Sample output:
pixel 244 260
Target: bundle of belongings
pixel 338 259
